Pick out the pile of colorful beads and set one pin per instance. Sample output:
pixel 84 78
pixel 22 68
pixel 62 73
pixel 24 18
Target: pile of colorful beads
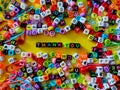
pixel 95 70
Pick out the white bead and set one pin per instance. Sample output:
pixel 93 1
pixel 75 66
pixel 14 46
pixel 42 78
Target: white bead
pixel 44 27
pixel 73 80
pixel 42 2
pixel 23 54
pixel 40 30
pixel 36 17
pixel 59 4
pixel 34 63
pixel 75 55
pixel 43 14
pixel 34 26
pixel 90 60
pixel 67 28
pixel 23 6
pixel 68 1
pixel 41 78
pixel 101 8
pixel 62 64
pixel 1 71
pixel 99 74
pixel 100 23
pixel 114 88
pixel 11 47
pixel 100 39
pixel 118 73
pixel 61 9
pixel 45 55
pixel 1 58
pixel 105 0
pixel 11 60
pixel 61 73
pixel 105 18
pixel 74 21
pixel 39 54
pixel 11 7
pixel 111 81
pixel 17 51
pixel 84 63
pixel 48 12
pixel 56 20
pixel 67 81
pixel 118 20
pixel 11 30
pixel 93 80
pixel 29 70
pixel 82 20
pixel 86 31
pixel 108 76
pixel 6 47
pixel 99 68
pixel 80 4
pixel 106 86
pixel 94 86
pixel 28 79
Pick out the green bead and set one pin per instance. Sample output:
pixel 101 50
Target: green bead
pixel 73 61
pixel 90 37
pixel 64 56
pixel 54 44
pixel 25 74
pixel 63 85
pixel 52 54
pixel 45 63
pixel 115 57
pixel 72 75
pixel 18 30
pixel 96 29
pixel 107 42
pixel 66 45
pixel 39 73
pixel 111 30
pixel 0 8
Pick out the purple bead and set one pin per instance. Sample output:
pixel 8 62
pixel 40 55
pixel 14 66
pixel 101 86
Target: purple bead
pixel 20 73
pixel 29 22
pixel 34 32
pixel 29 32
pixel 62 31
pixel 106 69
pixel 83 14
pixel 16 10
pixel 36 86
pixel 43 68
pixel 56 76
pixel 118 67
pixel 35 69
pixel 57 65
pixel 39 24
pixel 68 63
pixel 17 4
pixel 62 23
pixel 69 8
pixel 51 77
pixel 54 25
pixel 114 38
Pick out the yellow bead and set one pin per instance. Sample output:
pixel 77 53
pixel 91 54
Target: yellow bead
pixel 18 30
pixel 29 27
pixel 25 17
pixel 1 37
pixel 93 15
pixel 99 18
pixel 118 14
pixel 59 69
pixel 54 71
pixel 1 48
pixel 21 19
pixel 90 37
pixel 50 28
pixel 48 71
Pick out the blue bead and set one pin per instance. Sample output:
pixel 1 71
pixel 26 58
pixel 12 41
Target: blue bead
pixel 78 18
pixel 37 11
pixel 60 16
pixel 117 31
pixel 53 83
pixel 51 65
pixel 104 36
pixel 104 80
pixel 57 29
pixel 11 53
pixel 36 79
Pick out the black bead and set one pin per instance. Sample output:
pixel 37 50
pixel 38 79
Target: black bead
pixel 56 13
pixel 58 60
pixel 75 8
pixel 5 52
pixel 69 57
pixel 32 11
pixel 23 25
pixel 39 25
pixel 65 4
pixel 90 55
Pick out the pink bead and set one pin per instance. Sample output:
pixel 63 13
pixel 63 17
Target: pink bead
pixel 65 68
pixel 99 13
pixel 72 3
pixel 53 60
pixel 118 37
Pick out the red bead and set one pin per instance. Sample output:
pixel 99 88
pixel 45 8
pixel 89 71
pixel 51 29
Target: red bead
pixel 7 35
pixel 99 45
pixel 92 32
pixel 100 85
pixel 49 24
pixel 98 80
pixel 12 13
pixel 53 8
pixel 77 29
pixel 20 41
pixel 47 19
pixel 114 17
pixel 43 8
pixel 98 34
pixel 89 3
pixel 76 85
pixel 108 52
pixel 104 4
pixel 95 10
pixel 110 36
pixel 83 70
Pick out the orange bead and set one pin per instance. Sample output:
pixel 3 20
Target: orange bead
pixel 37 1
pixel 10 23
pixel 115 77
pixel 84 56
pixel 111 6
pixel 58 82
pixel 70 14
pixel 46 77
pixel 1 65
pixel 58 54
pixel 88 26
pixel 53 2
